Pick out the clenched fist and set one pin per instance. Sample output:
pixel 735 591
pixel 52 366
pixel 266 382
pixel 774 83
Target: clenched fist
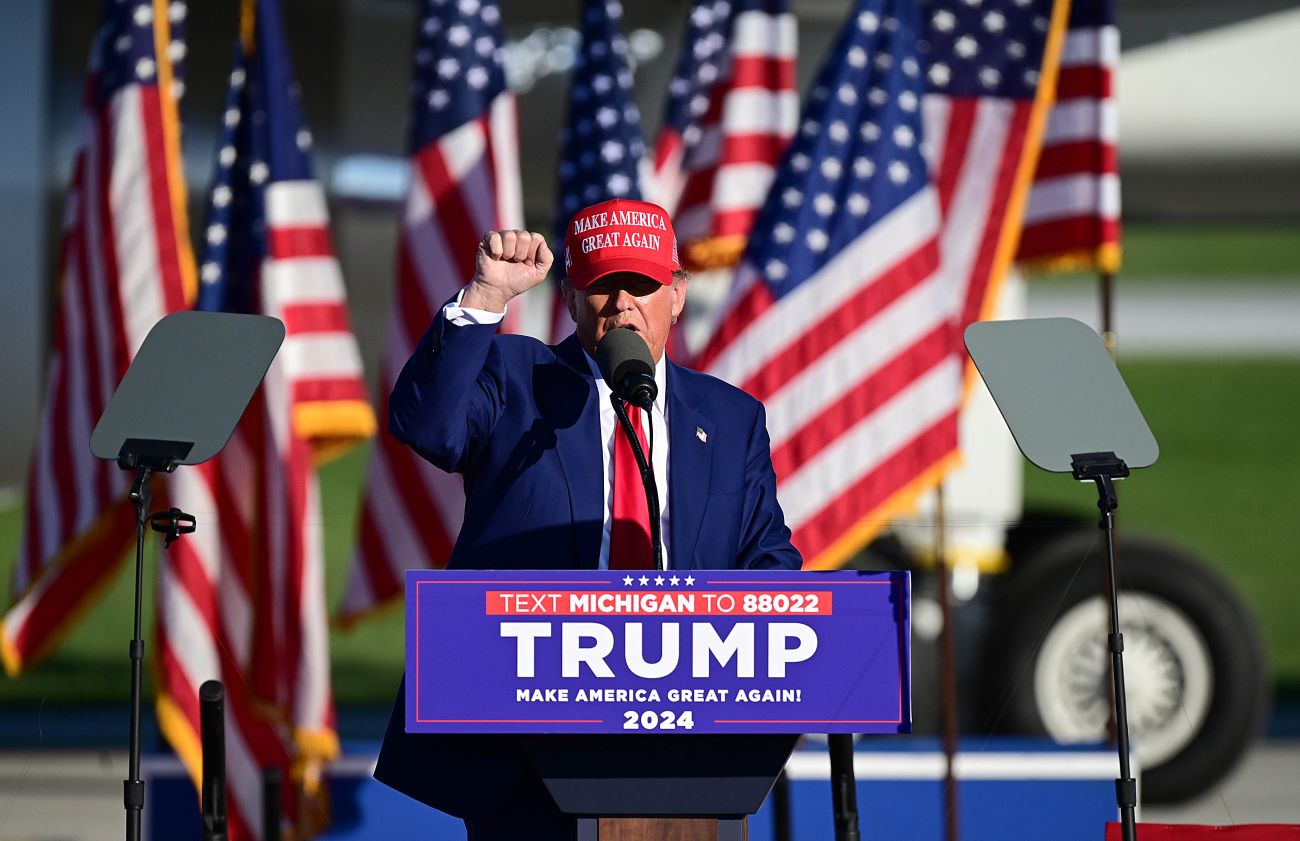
pixel 508 263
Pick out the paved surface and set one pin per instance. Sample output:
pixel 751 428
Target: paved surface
pixel 77 795
pixel 1185 319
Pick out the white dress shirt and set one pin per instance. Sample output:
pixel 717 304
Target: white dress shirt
pixel 460 316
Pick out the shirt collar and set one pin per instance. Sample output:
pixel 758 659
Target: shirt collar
pixel 661 380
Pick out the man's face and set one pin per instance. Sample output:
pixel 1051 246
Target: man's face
pixel 626 300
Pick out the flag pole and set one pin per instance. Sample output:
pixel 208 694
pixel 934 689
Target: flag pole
pixel 947 670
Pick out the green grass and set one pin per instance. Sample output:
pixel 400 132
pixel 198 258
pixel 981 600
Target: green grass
pixel 1224 486
pixel 1210 253
pixel 1225 483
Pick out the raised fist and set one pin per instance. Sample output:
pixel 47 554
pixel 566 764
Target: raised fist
pixel 508 263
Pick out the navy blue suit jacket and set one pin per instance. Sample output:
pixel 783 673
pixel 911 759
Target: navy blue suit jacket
pixel 519 419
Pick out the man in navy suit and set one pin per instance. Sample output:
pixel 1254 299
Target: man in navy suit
pixel 532 430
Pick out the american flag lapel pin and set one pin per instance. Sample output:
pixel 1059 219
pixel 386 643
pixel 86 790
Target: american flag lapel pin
pixel 702 435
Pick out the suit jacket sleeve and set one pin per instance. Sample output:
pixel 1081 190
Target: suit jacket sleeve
pixel 765 538
pixel 450 394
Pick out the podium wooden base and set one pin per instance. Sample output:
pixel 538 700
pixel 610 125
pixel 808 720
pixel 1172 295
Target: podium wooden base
pixel 662 829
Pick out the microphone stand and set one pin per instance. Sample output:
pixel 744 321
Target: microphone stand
pixel 647 477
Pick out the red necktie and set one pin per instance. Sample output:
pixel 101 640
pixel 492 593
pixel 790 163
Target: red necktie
pixel 629 529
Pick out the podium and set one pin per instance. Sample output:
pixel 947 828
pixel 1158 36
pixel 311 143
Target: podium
pixel 661 705
pixel 691 788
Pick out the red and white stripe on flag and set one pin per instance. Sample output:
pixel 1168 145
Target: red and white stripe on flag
pixel 714 175
pixel 464 183
pixel 860 377
pixel 1072 219
pixel 125 262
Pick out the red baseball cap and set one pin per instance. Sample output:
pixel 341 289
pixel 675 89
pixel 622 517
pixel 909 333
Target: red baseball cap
pixel 620 235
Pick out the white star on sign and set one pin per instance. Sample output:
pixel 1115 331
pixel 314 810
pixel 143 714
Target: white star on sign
pixel 690 580
pixel 627 581
pixel 673 581
pixel 643 580
pixel 659 581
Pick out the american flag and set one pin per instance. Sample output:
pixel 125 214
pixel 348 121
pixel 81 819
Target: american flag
pixel 242 600
pixel 464 147
pixel 125 262
pixel 602 154
pixel 1072 220
pixel 732 109
pixel 989 73
pixel 840 319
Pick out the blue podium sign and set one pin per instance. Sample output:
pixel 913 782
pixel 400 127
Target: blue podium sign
pixel 703 651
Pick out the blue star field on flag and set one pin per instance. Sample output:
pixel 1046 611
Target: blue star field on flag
pixel 857 154
pixel 991 48
pixel 601 145
pixel 124 49
pixel 263 140
pixel 458 67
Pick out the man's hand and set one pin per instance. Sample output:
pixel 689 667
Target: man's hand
pixel 508 263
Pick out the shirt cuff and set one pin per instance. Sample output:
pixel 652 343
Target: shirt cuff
pixel 465 316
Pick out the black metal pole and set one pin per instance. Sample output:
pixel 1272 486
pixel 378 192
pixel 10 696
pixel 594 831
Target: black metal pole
pixel 133 786
pixel 212 727
pixel 1125 786
pixel 947 673
pixel 844 787
pixel 271 803
pixel 781 809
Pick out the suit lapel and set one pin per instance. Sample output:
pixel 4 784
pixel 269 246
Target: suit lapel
pixel 690 468
pixel 578 447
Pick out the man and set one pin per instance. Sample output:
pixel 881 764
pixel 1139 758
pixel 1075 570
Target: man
pixel 550 480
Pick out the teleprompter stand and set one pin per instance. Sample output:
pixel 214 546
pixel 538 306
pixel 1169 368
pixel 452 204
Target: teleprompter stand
pixel 1070 412
pixel 178 404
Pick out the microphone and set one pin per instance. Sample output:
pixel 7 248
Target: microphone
pixel 625 362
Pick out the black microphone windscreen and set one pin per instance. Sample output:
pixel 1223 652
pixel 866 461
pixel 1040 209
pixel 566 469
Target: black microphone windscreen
pixel 621 353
